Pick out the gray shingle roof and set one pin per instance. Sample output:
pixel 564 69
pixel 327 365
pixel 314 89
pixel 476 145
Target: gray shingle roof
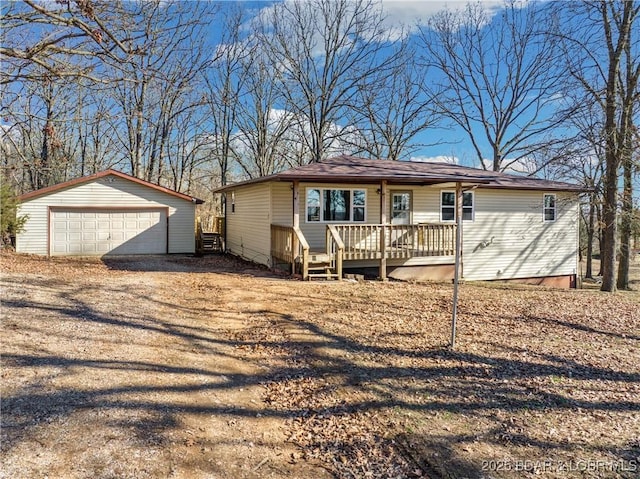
pixel 350 169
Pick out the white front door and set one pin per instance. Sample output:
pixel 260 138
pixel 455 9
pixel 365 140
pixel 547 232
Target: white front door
pixel 401 208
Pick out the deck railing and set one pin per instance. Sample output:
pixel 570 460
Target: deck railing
pixel 218 225
pixel 363 242
pixel 376 241
pixel 289 245
pixel 335 249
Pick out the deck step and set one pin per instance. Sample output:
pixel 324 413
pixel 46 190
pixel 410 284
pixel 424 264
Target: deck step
pixel 320 265
pixel 211 242
pixel 323 275
pixel 319 257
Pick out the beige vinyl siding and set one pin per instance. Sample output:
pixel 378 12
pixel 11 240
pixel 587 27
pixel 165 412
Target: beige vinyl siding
pixel 426 204
pixel 35 235
pixel 249 226
pixel 282 202
pixel 510 239
pixel 523 245
pixel 106 192
pixel 315 232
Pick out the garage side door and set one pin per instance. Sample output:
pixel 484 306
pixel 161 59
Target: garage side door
pixel 117 232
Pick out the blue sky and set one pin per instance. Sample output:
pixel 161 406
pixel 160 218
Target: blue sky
pixel 452 143
pixel 448 145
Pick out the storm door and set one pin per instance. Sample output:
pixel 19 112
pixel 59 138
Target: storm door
pixel 400 208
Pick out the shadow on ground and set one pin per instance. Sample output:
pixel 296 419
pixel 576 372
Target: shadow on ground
pixel 420 384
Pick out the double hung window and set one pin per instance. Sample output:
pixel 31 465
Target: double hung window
pixel 549 207
pixel 448 206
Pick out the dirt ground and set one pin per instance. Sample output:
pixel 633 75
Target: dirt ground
pixel 183 367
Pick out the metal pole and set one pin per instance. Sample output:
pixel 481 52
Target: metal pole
pixel 456 274
pixel 383 221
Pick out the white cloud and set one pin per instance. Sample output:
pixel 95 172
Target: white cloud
pixel 523 165
pixel 453 160
pixel 412 14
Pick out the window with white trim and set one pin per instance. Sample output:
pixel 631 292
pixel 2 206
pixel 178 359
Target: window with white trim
pixel 233 202
pixel 448 206
pixel 549 207
pixel 336 205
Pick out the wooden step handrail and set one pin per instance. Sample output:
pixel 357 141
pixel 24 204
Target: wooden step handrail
pixel 304 246
pixel 335 249
pixel 289 244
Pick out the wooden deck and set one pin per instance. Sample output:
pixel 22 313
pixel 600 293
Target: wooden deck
pixel 352 242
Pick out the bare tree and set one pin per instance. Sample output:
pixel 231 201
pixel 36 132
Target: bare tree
pixel 159 86
pixel 56 129
pixel 602 54
pixel 584 163
pixel 36 129
pixel 627 212
pixel 73 37
pixel 188 149
pixel 262 125
pixel 630 103
pixel 497 78
pixel 394 106
pixel 95 146
pixel 223 83
pixel 323 52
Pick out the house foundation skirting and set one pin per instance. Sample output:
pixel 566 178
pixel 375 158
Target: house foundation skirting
pixel 445 272
pixel 436 272
pixel 566 281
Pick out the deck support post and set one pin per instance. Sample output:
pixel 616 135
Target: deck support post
pixel 456 275
pixel 383 222
pixel 295 245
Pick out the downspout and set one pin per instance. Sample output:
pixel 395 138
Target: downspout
pixel 295 244
pixel 223 201
pixel 296 204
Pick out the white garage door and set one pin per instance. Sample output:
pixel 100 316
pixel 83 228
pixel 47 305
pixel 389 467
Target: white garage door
pixel 98 232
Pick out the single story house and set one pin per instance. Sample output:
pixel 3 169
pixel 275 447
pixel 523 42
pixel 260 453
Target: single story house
pixel 108 213
pixel 401 217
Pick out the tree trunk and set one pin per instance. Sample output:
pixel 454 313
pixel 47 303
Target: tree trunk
pixel 590 231
pixel 626 218
pixel 610 226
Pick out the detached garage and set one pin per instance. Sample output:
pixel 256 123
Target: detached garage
pixel 109 213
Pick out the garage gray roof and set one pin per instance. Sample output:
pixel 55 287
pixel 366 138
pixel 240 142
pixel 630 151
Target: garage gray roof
pixel 350 169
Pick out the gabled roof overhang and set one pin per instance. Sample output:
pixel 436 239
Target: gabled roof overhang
pixel 351 170
pixel 102 174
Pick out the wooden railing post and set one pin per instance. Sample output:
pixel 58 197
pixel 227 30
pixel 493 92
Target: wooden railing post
pixel 295 246
pixel 301 241
pixel 335 245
